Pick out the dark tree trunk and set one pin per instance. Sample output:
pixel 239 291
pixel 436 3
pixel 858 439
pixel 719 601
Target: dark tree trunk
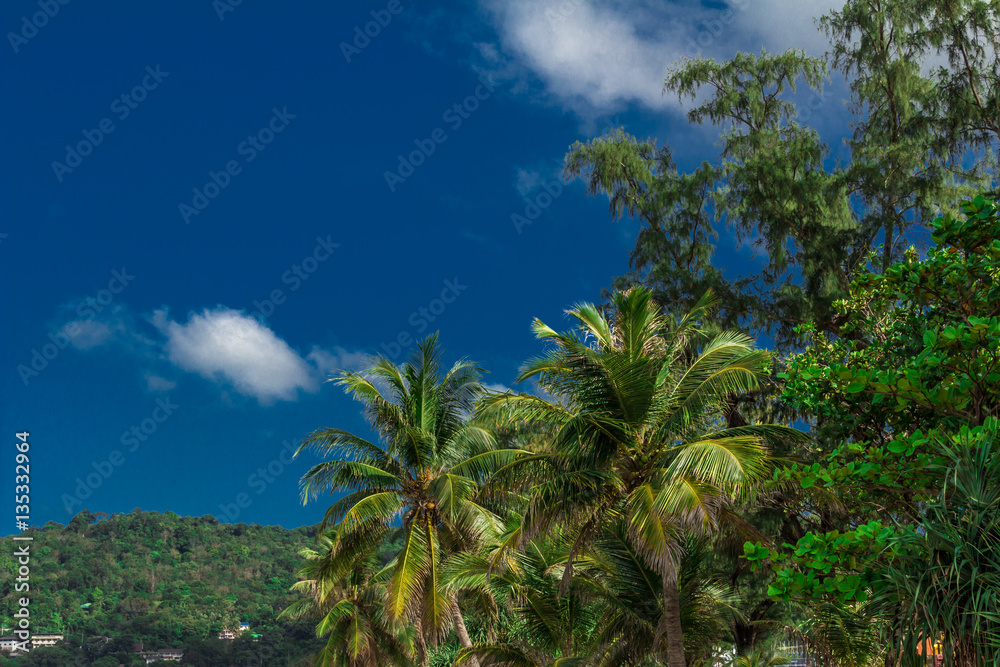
pixel 733 416
pixel 887 250
pixel 744 635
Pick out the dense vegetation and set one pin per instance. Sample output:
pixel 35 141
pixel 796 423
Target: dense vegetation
pixel 163 580
pixel 666 493
pixel 602 519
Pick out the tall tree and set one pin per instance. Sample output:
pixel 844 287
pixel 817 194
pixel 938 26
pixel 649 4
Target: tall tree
pixel 900 171
pixel 427 474
pixel 637 411
pixel 924 139
pixel 968 31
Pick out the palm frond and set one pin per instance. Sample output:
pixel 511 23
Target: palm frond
pixel 408 569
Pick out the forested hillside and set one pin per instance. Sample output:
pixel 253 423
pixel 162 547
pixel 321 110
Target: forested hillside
pixel 164 580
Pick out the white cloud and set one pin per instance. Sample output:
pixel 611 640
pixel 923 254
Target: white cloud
pixel 219 344
pixel 588 54
pixel 599 56
pixel 227 345
pixel 787 24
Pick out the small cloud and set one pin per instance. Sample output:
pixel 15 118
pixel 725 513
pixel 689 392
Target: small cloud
pixel 220 344
pixel 228 346
pixel 84 334
pixel 156 383
pixel 496 387
pixel 488 51
pixel 527 180
pixel 592 55
pixel 88 325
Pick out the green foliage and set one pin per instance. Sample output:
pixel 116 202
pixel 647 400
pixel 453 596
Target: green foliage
pixel 344 591
pixel 610 614
pixel 637 443
pixel 428 474
pixel 585 530
pixel 816 225
pixel 891 374
pixel 829 564
pixel 946 572
pixel 181 596
pixel 907 396
pixel 917 358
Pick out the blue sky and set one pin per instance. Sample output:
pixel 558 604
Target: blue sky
pixel 210 207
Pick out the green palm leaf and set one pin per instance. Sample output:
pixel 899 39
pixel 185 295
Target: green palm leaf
pixel 407 574
pixel 375 507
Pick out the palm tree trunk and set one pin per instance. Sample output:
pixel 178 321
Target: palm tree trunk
pixel 463 634
pixel 672 620
pixel 423 657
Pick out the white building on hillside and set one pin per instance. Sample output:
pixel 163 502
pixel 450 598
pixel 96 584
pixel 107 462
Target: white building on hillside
pixel 45 640
pixel 165 654
pixel 8 643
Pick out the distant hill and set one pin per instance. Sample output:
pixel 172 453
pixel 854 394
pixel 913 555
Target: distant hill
pixel 162 579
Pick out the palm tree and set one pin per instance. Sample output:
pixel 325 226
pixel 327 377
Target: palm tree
pixel 342 588
pixel 633 609
pixel 427 475
pixel 640 439
pixel 607 618
pixel 541 628
pixel 760 659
